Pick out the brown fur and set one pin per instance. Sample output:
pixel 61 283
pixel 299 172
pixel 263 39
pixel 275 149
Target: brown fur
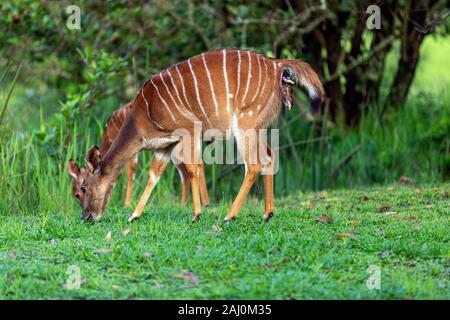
pixel 168 102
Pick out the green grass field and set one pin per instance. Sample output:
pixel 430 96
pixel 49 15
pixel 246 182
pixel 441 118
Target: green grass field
pixel 400 229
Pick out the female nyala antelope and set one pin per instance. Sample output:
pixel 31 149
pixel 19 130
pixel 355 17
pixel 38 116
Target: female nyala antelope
pixel 112 129
pixel 223 90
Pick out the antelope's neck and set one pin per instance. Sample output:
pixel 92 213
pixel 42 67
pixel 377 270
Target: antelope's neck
pixel 122 150
pixel 113 126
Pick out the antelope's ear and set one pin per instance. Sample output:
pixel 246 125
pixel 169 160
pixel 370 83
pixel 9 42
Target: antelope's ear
pixel 93 159
pixel 73 169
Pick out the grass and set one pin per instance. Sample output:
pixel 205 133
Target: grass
pixel 292 257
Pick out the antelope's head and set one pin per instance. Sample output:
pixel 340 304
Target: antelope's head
pixel 90 188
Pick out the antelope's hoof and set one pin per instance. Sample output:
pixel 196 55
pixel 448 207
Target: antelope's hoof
pixel 267 216
pixel 196 217
pixel 229 219
pixel 133 217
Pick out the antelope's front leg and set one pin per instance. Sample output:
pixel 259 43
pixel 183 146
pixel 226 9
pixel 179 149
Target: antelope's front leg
pixel 159 164
pixel 131 172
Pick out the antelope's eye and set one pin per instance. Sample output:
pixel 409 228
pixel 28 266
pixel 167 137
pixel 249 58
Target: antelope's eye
pixel 77 196
pixel 83 189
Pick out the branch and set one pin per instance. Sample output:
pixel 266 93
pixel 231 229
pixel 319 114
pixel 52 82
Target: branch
pixel 383 44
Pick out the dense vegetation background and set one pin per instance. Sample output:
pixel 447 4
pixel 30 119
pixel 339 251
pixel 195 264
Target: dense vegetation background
pixel 386 115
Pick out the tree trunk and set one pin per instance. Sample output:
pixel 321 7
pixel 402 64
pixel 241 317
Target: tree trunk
pixel 412 36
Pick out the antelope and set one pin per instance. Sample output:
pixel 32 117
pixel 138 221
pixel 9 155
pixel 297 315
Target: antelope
pixel 227 90
pixel 111 131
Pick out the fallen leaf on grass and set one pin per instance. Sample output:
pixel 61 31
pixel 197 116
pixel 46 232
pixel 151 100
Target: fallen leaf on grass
pixel 269 266
pixel 312 205
pixel 418 190
pixel 345 235
pixel 108 235
pixel 216 230
pixel 102 251
pixel 405 181
pixel 391 213
pixel 187 275
pixel 354 222
pixel 148 254
pixel 404 217
pixel 428 206
pixel 115 286
pixel 323 195
pixel 324 219
pixel 385 208
pixel 363 198
pixel 126 231
pixel 53 242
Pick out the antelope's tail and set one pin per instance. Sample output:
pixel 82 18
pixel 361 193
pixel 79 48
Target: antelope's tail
pixel 303 75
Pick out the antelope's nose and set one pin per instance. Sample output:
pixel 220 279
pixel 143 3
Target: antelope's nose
pixel 86 216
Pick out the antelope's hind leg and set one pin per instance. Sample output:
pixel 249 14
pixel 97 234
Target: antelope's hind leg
pixel 268 172
pixel 158 166
pixel 253 165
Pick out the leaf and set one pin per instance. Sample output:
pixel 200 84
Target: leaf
pixel 405 181
pixel 391 213
pixel 323 195
pixel 108 235
pixel 418 190
pixel 148 254
pixel 115 286
pixel 216 230
pixel 355 222
pixel 324 219
pixel 188 275
pixel 126 231
pixel 53 242
pixel 363 198
pixel 102 251
pixel 269 266
pixel 404 217
pixel 345 235
pixel 385 208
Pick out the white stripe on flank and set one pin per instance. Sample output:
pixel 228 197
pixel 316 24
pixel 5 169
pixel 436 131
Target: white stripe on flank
pixel 175 87
pixel 196 91
pixel 189 116
pixel 226 77
pixel 259 78
pixel 249 75
pixel 183 88
pixel 238 74
pixel 210 84
pixel 162 99
pixel 148 111
pixel 267 75
pixel 167 89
